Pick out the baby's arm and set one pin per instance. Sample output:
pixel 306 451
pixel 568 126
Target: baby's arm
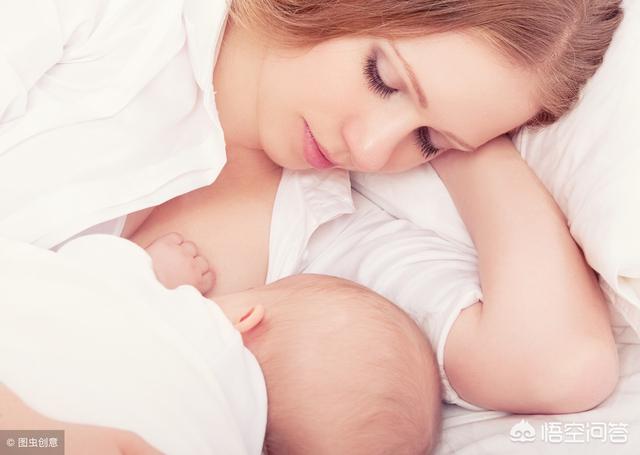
pixel 543 315
pixel 177 262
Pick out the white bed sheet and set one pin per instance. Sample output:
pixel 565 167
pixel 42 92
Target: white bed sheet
pixel 486 432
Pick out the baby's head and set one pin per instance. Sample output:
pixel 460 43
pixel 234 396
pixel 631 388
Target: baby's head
pixel 347 372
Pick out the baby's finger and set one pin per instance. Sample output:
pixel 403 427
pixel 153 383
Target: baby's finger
pixel 173 237
pixel 207 282
pixel 190 249
pixel 201 264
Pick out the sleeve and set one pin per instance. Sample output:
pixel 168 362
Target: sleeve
pixel 31 42
pixel 432 278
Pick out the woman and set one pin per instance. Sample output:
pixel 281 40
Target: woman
pixel 373 104
pixel 385 95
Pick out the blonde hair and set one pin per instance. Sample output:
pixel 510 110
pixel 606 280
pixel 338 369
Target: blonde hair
pixel 346 371
pixel 563 41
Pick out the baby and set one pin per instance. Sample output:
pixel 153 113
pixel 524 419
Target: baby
pixel 347 372
pixel 103 342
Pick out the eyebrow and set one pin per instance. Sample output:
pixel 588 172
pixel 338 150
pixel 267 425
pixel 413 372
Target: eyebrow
pixel 423 99
pixel 412 76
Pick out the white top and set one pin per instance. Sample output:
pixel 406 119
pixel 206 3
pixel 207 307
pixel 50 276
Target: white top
pixel 321 225
pixel 113 111
pixel 89 335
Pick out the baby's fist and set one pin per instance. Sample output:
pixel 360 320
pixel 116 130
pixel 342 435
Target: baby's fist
pixel 176 262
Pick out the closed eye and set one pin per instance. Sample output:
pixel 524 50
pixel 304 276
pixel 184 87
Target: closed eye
pixel 423 139
pixel 379 87
pixel 376 84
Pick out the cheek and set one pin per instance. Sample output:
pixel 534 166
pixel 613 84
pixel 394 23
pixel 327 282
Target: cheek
pixel 278 115
pixel 325 86
pixel 405 158
pixel 406 155
pixel 331 75
pixel 292 88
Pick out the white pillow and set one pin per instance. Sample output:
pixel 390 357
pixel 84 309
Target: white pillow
pixel 589 160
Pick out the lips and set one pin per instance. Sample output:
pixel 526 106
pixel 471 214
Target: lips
pixel 313 152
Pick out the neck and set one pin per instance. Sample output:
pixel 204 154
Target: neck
pixel 235 80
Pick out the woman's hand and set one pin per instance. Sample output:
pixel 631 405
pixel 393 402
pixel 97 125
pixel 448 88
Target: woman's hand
pixel 78 439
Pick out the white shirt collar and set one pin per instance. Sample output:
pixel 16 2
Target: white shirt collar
pixel 305 200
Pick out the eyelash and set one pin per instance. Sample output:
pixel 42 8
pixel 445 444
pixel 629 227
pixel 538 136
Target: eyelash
pixel 376 83
pixel 377 86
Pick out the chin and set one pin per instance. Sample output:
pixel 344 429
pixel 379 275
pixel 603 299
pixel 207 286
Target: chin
pixel 294 163
pixel 297 167
pixel 287 162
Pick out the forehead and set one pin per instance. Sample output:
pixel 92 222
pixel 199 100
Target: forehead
pixel 471 89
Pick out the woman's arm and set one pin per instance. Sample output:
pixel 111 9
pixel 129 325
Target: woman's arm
pixel 540 341
pixel 79 439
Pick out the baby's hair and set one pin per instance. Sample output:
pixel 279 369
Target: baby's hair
pixel 380 383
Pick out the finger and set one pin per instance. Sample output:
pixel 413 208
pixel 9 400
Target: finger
pixel 173 237
pixel 190 249
pixel 207 282
pixel 202 265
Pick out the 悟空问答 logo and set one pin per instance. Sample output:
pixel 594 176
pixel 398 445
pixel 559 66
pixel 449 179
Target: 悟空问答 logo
pixel 522 431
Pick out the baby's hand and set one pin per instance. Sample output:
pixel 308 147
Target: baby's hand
pixel 177 262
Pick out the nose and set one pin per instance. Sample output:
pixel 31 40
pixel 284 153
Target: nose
pixel 374 137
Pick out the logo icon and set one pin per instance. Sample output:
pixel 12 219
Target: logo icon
pixel 522 431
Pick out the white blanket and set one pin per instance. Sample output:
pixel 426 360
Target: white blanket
pixel 88 335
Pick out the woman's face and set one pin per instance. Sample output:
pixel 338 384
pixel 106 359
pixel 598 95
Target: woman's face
pixel 375 105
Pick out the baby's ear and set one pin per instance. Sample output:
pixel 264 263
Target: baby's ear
pixel 251 319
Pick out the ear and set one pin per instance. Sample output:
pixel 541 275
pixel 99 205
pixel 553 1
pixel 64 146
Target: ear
pixel 250 320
